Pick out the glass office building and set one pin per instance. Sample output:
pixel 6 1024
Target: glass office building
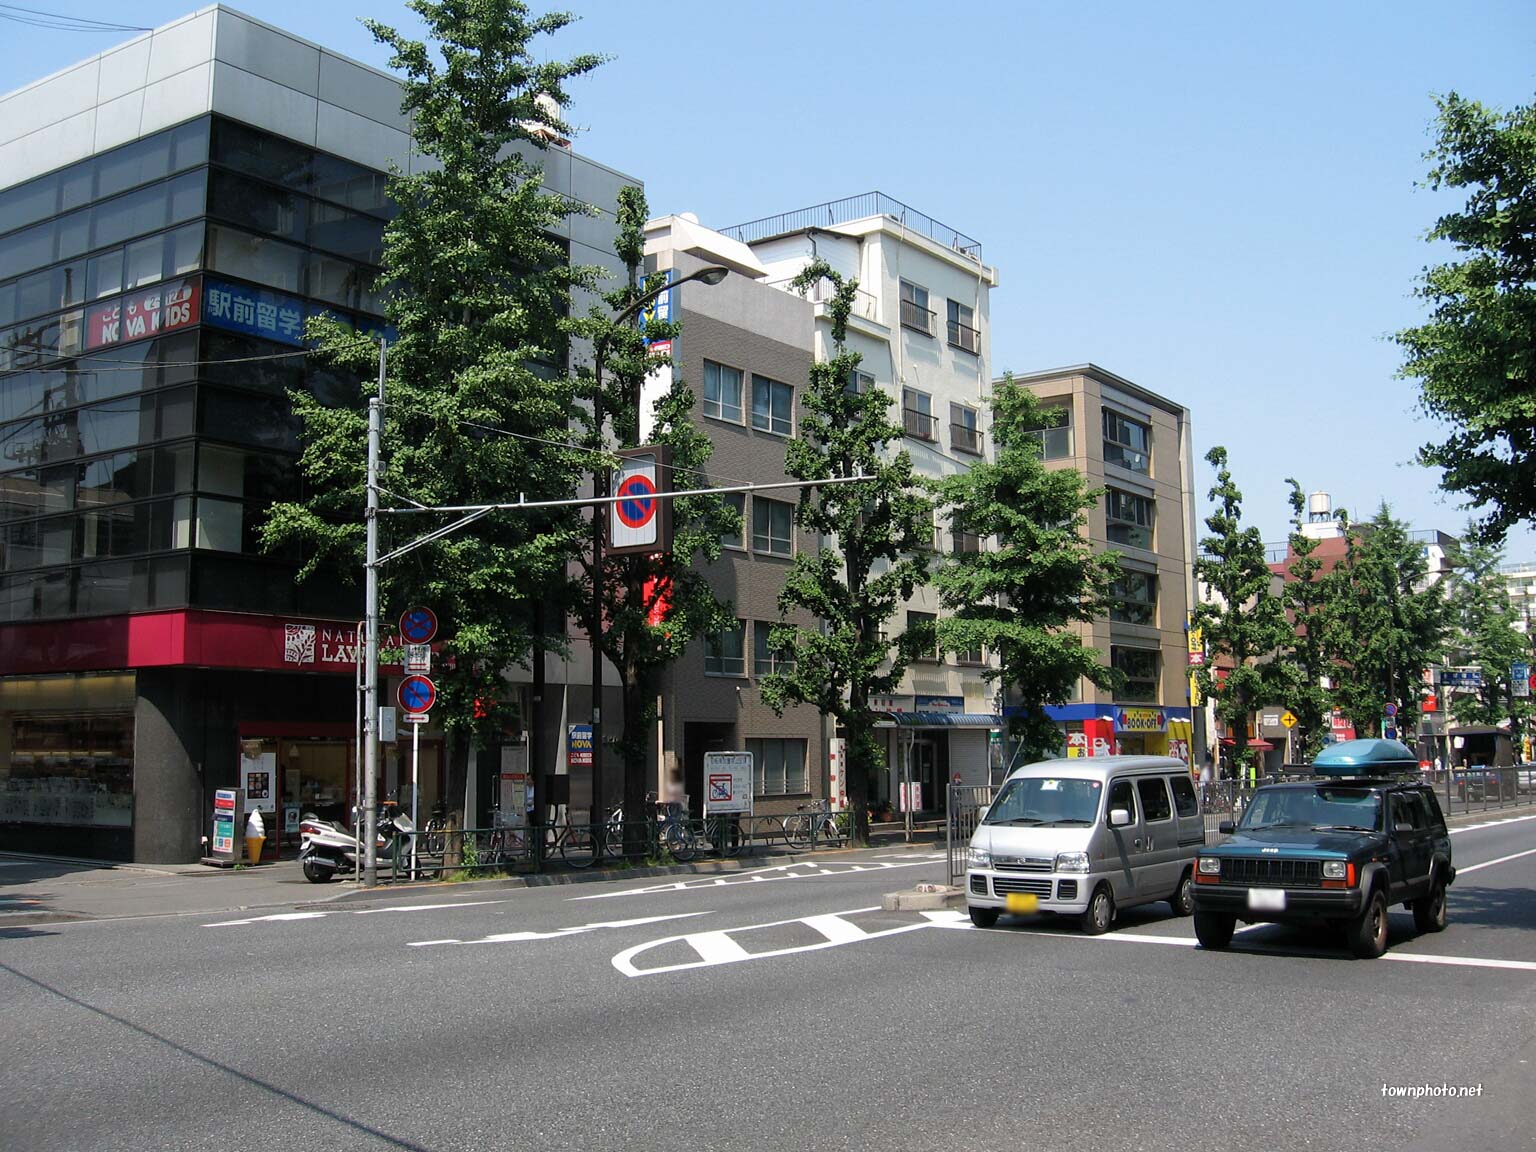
pixel 152 294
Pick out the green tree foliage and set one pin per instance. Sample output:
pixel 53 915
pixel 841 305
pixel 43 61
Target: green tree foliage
pixel 1385 623
pixel 882 526
pixel 1022 599
pixel 1242 619
pixel 1475 358
pixel 653 604
pixel 1303 662
pixel 475 290
pixel 1483 629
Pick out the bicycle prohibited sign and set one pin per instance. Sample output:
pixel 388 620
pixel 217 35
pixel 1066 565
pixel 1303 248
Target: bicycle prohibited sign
pixel 720 789
pixel 638 519
pixel 417 694
pixel 728 783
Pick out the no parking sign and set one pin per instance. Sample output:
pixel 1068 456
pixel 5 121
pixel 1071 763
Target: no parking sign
pixel 639 521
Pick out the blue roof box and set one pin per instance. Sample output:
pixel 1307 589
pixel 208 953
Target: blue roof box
pixel 1366 758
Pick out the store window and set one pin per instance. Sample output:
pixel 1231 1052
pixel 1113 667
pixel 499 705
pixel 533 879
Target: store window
pixel 68 751
pixel 778 767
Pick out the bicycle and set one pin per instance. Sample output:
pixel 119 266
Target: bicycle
pixel 813 822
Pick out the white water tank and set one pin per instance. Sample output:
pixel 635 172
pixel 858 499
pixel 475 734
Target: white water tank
pixel 1319 507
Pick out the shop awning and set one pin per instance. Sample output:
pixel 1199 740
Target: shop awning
pixel 941 720
pixel 1261 745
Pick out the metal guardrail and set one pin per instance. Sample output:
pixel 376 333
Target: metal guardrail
pixel 835 212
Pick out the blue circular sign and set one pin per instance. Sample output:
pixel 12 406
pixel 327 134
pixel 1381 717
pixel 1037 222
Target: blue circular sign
pixel 635 505
pixel 417 694
pixel 418 625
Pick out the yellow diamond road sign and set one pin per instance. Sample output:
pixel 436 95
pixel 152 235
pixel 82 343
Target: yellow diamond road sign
pixel 1288 718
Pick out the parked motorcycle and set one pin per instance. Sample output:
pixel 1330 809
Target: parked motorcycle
pixel 327 847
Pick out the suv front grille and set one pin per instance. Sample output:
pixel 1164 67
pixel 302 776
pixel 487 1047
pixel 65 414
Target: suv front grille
pixel 1256 871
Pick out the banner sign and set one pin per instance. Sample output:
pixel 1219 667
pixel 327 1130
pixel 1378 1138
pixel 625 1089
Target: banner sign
pixel 163 308
pixel 727 783
pixel 1140 720
pixel 579 745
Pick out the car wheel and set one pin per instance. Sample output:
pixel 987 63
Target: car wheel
pixel 1429 909
pixel 1368 935
pixel 1183 899
pixel 1213 930
pixel 1099 914
pixel 983 917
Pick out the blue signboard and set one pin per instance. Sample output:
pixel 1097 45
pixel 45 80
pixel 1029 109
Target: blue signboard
pixel 255 311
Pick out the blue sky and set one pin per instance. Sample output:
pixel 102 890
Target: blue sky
pixel 1215 200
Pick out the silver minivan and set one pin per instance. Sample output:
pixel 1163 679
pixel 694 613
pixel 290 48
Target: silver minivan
pixel 1086 837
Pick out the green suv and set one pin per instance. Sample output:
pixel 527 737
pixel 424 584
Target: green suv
pixel 1343 846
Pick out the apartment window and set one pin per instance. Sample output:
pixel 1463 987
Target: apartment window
pixel 722 392
pixel 725 652
pixel 1128 518
pixel 773 406
pixel 1126 442
pixel 917 413
pixel 1134 597
pixel 923 633
pixel 973 656
pixel 964 429
pixel 965 541
pixel 773 527
pixel 1055 433
pixel 915 312
pixel 858 383
pixel 962 327
pixel 765 662
pixel 1140 667
pixel 738 501
pixel 778 767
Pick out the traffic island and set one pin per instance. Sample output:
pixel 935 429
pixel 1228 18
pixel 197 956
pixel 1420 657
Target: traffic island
pixel 923 898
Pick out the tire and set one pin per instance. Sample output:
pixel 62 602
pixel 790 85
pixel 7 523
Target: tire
pixel 1183 899
pixel 1100 913
pixel 1429 909
pixel 797 831
pixel 317 873
pixel 577 848
pixel 832 832
pixel 680 841
pixel 1367 936
pixel 983 917
pixel 1213 930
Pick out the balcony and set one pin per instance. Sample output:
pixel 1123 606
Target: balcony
pixel 964 438
pixel 916 317
pixel 917 423
pixel 964 337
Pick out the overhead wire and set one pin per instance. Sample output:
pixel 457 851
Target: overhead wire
pixel 59 22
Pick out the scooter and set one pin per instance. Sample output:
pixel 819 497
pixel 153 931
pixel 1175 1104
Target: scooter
pixel 327 847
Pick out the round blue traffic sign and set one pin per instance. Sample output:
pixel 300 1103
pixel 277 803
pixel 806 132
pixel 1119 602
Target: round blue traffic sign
pixel 418 625
pixel 635 503
pixel 417 694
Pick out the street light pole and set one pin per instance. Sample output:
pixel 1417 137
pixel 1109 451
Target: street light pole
pixel 370 765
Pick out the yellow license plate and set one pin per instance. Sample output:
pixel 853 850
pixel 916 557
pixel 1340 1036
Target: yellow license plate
pixel 1022 903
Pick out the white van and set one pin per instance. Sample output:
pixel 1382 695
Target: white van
pixel 1087 837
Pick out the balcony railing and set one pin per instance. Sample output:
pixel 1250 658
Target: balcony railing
pixel 915 316
pixel 835 212
pixel 964 336
pixel 917 423
pixel 964 438
pixel 865 305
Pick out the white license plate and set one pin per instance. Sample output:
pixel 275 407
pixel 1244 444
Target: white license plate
pixel 1266 899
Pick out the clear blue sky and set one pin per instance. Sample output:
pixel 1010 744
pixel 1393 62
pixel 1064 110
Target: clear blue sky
pixel 1216 200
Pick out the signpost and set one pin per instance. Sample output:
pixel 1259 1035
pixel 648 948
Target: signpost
pixel 727 783
pixel 417 694
pixel 1520 680
pixel 639 520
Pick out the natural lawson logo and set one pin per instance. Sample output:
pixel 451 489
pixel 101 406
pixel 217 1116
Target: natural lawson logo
pixel 309 644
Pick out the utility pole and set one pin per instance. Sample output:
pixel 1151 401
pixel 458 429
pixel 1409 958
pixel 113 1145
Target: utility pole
pixel 370 765
pixel 598 817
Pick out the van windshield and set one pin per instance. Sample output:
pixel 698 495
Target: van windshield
pixel 1046 801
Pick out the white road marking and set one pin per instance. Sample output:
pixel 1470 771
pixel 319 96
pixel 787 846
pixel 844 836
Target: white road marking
pixel 351 912
pixel 1492 824
pixel 717 948
pixel 558 933
pixel 835 928
pixel 1491 863
pixel 803 870
pixel 261 919
pixel 421 907
pixel 1462 961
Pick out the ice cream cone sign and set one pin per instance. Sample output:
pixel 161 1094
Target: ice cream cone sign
pixel 255 837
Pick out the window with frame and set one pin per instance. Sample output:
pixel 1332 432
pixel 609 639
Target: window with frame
pixel 1127 442
pixel 915 313
pixel 778 767
pixel 773 527
pixel 1184 796
pixel 964 429
pixel 965 541
pixel 962 327
pixel 738 501
pixel 858 383
pixel 1129 518
pixel 773 406
pixel 725 652
pixel 765 661
pixel 922 633
pixel 1122 794
pixel 722 392
pixel 1140 667
pixel 1055 437
pixel 917 413
pixel 1134 597
pixel 1154 799
pixel 971 656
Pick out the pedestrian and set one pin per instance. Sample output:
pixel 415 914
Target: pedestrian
pixel 1208 769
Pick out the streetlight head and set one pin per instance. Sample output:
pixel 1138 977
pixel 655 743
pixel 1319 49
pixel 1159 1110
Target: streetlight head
pixel 713 276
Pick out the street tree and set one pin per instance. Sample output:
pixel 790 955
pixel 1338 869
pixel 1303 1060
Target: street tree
pixel 1475 357
pixel 476 406
pixel 653 604
pixel 1023 599
pixel 879 530
pixel 1385 622
pixel 1303 663
pixel 1242 620
pixel 1483 631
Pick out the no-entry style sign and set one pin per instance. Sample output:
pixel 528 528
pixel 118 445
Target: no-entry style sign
pixel 418 625
pixel 640 521
pixel 417 694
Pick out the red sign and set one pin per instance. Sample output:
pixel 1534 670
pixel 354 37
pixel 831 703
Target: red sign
pixel 162 308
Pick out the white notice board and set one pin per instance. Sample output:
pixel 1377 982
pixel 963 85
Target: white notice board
pixel 727 783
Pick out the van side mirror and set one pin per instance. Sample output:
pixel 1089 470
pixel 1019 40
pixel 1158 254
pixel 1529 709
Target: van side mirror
pixel 1119 817
pixel 1226 828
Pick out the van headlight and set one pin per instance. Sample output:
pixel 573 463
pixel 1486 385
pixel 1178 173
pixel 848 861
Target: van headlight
pixel 1210 866
pixel 1072 862
pixel 979 858
pixel 1335 869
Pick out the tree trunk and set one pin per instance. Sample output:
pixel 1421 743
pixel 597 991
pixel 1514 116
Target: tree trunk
pixel 861 753
pixel 455 778
pixel 632 744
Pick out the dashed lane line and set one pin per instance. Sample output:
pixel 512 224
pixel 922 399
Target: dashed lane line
pixel 280 916
pixel 558 933
pixel 1490 863
pixel 802 870
pixel 1492 824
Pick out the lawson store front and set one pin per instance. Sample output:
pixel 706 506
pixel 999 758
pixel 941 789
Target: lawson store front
pixel 114 733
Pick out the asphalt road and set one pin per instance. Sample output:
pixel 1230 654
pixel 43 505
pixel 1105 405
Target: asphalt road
pixel 765 1010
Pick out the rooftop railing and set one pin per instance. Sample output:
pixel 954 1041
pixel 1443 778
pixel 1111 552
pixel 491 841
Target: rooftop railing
pixel 867 204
